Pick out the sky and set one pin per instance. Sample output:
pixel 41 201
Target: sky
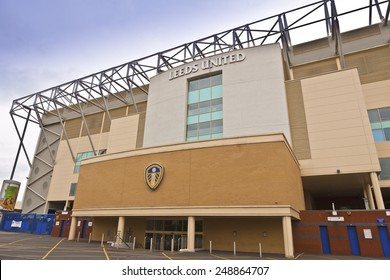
pixel 44 43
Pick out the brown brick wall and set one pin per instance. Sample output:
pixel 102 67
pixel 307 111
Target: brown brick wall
pixel 307 237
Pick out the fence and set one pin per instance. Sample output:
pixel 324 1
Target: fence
pixel 31 223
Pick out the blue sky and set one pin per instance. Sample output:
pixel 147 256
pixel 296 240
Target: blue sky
pixel 44 43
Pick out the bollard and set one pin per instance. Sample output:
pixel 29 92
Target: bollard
pixel 178 244
pixel 134 243
pixel 161 243
pixel 211 247
pixel 101 244
pixel 89 239
pixel 234 247
pixel 145 243
pixel 172 245
pixel 151 244
pixel 261 253
pixel 78 237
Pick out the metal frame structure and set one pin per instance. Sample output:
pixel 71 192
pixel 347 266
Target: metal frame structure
pixel 120 81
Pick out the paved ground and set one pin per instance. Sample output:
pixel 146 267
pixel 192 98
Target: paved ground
pixel 22 246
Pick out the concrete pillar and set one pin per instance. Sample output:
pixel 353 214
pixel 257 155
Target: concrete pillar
pixel 288 237
pixel 121 229
pixel 72 230
pixel 377 191
pixel 368 195
pixel 191 234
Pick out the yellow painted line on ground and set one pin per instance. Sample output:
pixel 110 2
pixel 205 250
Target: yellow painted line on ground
pixel 297 257
pixel 2 245
pixel 165 255
pixel 51 250
pixel 105 252
pixel 219 257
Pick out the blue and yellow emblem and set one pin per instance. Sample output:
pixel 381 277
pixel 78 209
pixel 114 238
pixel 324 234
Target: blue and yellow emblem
pixel 153 175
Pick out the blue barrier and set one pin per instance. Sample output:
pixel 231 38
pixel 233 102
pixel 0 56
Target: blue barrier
pixel 31 223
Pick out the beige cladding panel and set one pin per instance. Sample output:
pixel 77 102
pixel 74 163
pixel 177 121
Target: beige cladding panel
pixel 63 173
pixel 296 111
pixel 216 176
pixel 123 134
pixel 338 126
pixel 73 128
pixel 316 68
pixel 377 95
pixel 94 124
pixel 373 65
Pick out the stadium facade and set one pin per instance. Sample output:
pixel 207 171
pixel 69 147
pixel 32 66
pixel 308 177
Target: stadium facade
pixel 233 139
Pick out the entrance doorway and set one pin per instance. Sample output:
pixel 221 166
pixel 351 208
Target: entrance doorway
pixel 170 235
pixel 166 241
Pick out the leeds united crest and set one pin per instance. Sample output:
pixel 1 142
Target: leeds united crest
pixel 153 175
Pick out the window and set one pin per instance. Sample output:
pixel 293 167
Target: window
pixel 380 123
pixel 204 108
pixel 81 156
pixel 385 167
pixel 72 191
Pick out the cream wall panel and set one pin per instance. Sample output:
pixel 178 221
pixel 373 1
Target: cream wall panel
pixel 383 149
pixel 63 174
pixel 338 126
pixel 377 95
pixel 123 134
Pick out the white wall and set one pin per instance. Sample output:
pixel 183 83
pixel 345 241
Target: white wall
pixel 254 100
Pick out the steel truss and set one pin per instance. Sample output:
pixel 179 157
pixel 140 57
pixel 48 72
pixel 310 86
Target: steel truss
pixel 120 81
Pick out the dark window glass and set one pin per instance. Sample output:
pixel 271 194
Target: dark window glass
pixel 216 80
pixel 150 225
pixel 193 85
pixel 204 83
pixel 216 105
pixel 387 133
pixel 385 166
pixel 198 226
pixel 73 187
pixel 159 225
pixel 384 113
pixel 193 109
pixel 192 130
pixel 204 107
pixel 373 115
pixel 217 126
pixel 204 128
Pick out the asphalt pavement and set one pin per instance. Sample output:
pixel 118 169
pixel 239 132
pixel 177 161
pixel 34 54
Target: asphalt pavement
pixel 22 246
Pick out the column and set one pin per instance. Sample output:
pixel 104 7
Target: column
pixel 121 229
pixel 377 191
pixel 288 237
pixel 368 193
pixel 72 230
pixel 191 234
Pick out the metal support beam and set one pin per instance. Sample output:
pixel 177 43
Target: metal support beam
pixel 386 19
pixel 21 145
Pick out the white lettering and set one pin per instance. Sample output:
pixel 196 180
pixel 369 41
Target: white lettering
pixel 206 64
pixel 240 57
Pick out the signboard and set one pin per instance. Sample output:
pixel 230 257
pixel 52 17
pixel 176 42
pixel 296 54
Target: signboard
pixel 9 194
pixel 17 224
pixel 336 219
pixel 387 213
pixel 367 233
